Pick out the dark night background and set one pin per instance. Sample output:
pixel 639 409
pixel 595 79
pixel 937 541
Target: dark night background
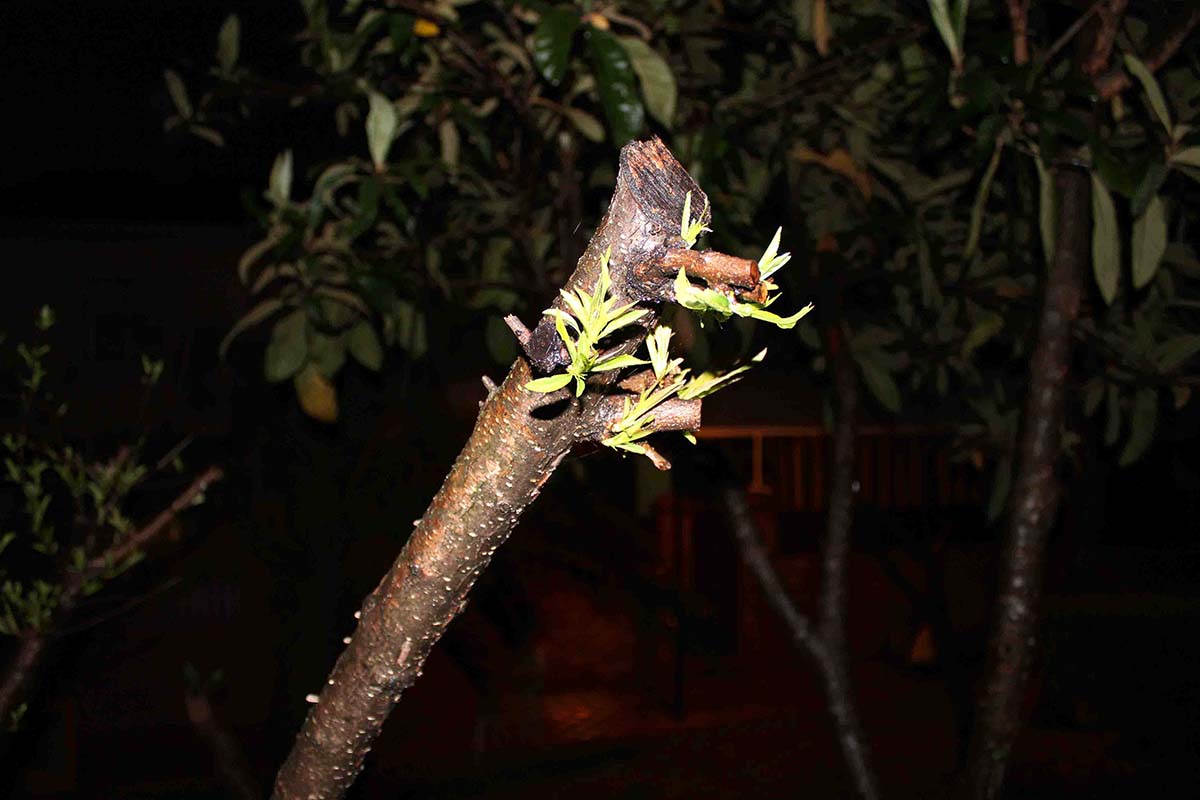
pixel 592 660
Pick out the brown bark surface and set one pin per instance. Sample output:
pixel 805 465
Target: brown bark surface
pixel 1035 499
pixel 509 457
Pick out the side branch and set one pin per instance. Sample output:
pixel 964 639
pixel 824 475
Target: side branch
pixel 1113 84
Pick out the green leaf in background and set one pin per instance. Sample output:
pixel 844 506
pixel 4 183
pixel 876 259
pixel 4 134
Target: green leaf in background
pixel 228 41
pixel 985 188
pixel 449 140
pixel 947 29
pixel 252 317
pixel 880 382
pixel 658 82
pixel 178 92
pixel 288 349
pixel 327 353
pixel 364 345
pixel 381 128
pixel 1047 210
pixel 1149 242
pixel 1152 180
pixel 989 325
pixel 1141 426
pixel 1112 422
pixel 1176 351
pixel 1153 93
pixel 614 82
pixel 1106 241
pixel 585 123
pixel 1188 157
pixel 552 42
pixel 1001 485
pixel 279 185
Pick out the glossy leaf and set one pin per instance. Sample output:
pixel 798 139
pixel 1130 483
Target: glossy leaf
pixel 1149 242
pixel 1106 241
pixel 552 42
pixel 615 84
pixel 657 81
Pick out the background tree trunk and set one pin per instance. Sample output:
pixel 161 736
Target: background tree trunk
pixel 1034 500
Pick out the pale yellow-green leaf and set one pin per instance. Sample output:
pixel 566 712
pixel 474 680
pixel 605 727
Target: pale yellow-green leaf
pixel 658 82
pixel 1106 241
pixel 1188 157
pixel 1153 92
pixel 381 128
pixel 585 123
pixel 449 140
pixel 1149 242
pixel 1047 210
pixel 550 383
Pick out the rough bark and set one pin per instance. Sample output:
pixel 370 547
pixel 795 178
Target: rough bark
pixel 510 455
pixel 23 667
pixel 825 641
pixel 1035 499
pixel 835 566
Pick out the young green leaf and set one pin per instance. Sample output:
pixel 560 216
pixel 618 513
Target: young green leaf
pixel 1141 426
pixel 1149 242
pixel 1106 241
pixel 619 362
pixel 550 383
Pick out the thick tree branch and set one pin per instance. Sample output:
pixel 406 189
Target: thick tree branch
pixel 1035 499
pixel 509 457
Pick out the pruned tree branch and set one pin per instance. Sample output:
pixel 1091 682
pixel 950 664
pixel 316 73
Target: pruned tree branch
pixel 510 455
